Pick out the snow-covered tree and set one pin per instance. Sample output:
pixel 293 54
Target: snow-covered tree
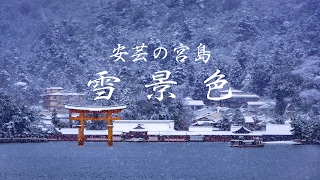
pixel 54 117
pixel 237 118
pixel 225 123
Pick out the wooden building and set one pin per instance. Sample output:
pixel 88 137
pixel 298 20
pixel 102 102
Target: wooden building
pixel 193 104
pixel 57 97
pixel 238 99
pixel 162 131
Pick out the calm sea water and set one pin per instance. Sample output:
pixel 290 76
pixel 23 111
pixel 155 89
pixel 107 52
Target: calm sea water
pixel 65 160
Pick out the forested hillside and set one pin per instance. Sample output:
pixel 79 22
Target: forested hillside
pixel 270 48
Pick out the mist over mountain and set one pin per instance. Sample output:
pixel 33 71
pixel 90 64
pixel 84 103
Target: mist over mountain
pixel 270 48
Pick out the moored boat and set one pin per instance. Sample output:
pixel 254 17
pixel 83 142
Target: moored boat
pixel 138 140
pixel 246 143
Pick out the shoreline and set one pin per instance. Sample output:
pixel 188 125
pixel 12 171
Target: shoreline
pixel 22 140
pixel 41 140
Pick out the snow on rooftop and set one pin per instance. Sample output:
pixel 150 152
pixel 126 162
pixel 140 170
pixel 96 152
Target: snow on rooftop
pixel 288 121
pixel 188 98
pixel 264 118
pixel 211 116
pixel 238 94
pixel 257 103
pixel 277 129
pixel 54 88
pixel 46 117
pixel 222 133
pixel 236 128
pixel 166 127
pixel 194 103
pixel 64 94
pixel 222 109
pixel 243 96
pixel 203 111
pixel 232 90
pixel 154 127
pixel 86 132
pixel 190 102
pixel 36 107
pixel 248 119
pixel 21 84
pixel 94 108
pixel 47 122
pixel 200 128
pixel 203 122
pixel 267 106
pixel 63 115
pixel 148 125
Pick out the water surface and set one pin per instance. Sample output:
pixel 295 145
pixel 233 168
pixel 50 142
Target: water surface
pixel 65 160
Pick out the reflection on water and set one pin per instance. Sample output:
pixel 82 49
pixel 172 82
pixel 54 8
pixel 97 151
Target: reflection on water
pixel 65 160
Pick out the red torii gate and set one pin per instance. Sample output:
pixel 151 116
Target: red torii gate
pixel 93 114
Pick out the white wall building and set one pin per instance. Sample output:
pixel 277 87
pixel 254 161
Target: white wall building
pixel 193 104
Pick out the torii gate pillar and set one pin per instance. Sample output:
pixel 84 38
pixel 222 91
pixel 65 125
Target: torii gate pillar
pixel 103 113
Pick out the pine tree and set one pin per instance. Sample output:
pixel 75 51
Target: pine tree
pixel 299 125
pixel 225 124
pixel 54 117
pixel 7 109
pixel 238 118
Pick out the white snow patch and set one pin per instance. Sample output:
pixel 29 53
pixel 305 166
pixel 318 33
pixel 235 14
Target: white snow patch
pixel 21 84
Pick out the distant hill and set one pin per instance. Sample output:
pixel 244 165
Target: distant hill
pixel 270 48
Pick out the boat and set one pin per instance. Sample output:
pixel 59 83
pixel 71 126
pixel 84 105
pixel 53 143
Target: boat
pixel 246 143
pixel 299 142
pixel 138 140
pixel 283 142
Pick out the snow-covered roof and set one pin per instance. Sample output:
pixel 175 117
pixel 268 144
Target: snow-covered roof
pixel 202 115
pixel 200 128
pixel 268 105
pixel 21 83
pixel 202 122
pixel 194 103
pixel 264 118
pixel 248 119
pixel 65 116
pixel 277 129
pixel 262 104
pixel 148 125
pixel 54 88
pixel 47 122
pixel 86 132
pixel 238 94
pixel 210 115
pixel 232 90
pixel 243 96
pixel 221 133
pixel 166 127
pixel 222 109
pixel 203 111
pixel 263 123
pixel 190 102
pixel 236 129
pixel 64 94
pixel 288 121
pixel 94 108
pixel 256 103
pixel 46 117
